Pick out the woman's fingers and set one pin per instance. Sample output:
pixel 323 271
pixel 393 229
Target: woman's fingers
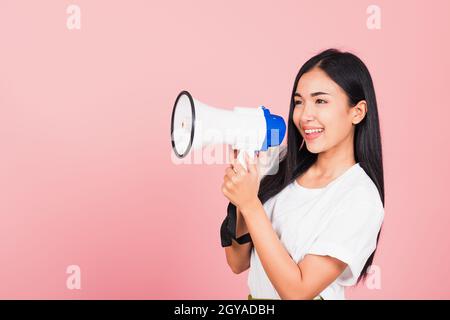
pixel 235 160
pixel 238 168
pixel 233 155
pixel 252 164
pixel 229 172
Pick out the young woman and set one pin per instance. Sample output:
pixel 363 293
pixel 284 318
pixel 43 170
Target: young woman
pixel 312 228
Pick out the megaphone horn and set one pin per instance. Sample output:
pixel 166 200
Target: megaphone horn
pixel 183 118
pixel 245 129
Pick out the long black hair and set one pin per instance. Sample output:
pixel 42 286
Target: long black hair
pixel 351 74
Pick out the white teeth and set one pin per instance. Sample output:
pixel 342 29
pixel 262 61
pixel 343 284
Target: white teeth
pixel 308 131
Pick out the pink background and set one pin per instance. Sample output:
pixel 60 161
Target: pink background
pixel 86 175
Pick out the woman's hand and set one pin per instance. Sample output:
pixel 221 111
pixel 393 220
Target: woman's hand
pixel 241 186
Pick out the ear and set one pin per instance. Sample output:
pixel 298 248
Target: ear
pixel 359 111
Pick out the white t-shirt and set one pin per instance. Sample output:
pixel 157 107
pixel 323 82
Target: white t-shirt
pixel 340 220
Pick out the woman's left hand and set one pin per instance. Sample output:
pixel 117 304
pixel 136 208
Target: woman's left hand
pixel 241 186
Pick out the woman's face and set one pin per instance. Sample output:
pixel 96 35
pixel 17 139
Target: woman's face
pixel 321 103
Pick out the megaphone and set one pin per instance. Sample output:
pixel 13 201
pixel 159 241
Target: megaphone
pixel 195 124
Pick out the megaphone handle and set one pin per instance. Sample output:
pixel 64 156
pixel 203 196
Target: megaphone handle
pixel 241 157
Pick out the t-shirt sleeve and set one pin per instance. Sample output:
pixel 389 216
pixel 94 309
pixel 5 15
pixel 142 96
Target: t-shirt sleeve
pixel 351 233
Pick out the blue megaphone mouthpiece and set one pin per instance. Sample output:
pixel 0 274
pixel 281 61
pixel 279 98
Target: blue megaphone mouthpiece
pixel 276 129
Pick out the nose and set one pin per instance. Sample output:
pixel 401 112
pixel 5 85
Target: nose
pixel 308 113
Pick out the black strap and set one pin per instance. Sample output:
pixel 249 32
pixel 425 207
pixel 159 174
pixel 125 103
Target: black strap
pixel 228 228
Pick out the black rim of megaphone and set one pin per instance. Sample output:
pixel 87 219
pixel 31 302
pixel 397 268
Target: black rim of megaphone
pixel 193 124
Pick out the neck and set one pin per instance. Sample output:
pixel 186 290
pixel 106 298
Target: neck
pixel 333 162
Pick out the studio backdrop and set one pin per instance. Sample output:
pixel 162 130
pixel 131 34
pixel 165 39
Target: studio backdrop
pixel 94 204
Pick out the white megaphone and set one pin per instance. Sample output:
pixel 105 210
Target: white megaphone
pixel 195 125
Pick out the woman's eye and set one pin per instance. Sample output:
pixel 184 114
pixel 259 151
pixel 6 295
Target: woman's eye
pixel 320 101
pixel 297 102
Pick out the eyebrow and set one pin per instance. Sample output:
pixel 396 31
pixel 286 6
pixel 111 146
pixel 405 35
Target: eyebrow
pixel 312 94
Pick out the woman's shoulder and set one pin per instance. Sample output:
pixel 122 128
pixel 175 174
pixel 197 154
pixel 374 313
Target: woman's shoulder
pixel 362 189
pixel 365 181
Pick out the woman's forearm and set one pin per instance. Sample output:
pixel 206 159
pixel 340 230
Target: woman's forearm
pixel 283 272
pixel 241 226
pixel 238 256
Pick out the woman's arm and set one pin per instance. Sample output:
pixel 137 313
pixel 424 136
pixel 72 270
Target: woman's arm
pixel 304 280
pixel 238 256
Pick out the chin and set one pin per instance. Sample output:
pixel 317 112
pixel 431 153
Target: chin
pixel 314 149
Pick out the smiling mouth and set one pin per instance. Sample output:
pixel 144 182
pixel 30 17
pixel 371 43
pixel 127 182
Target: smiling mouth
pixel 312 134
pixel 309 131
